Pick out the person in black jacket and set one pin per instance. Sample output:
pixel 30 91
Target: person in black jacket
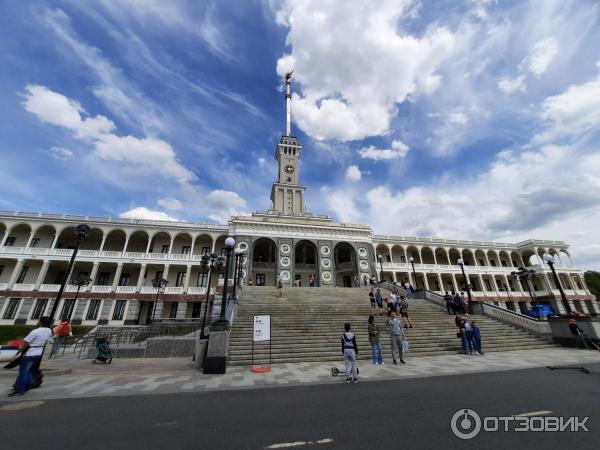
pixel 349 350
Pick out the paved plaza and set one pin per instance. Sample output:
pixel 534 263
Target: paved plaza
pixel 177 375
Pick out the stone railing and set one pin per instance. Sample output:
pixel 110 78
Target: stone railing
pixel 538 327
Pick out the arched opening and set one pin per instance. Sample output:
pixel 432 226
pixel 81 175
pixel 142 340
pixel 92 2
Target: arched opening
pixel 138 242
pixel 493 258
pixel 161 243
pixel 468 257
pixel 383 251
pixel 203 245
pixel 398 255
pixel 504 259
pixel 44 236
pixel 115 241
pixel 18 235
pixel 412 252
pixel 566 258
pixel 480 257
pixel 345 265
pixel 441 256
pixel 515 259
pixel 454 256
pixel 305 262
pixel 68 239
pixel 182 244
pixel 264 263
pixel 427 255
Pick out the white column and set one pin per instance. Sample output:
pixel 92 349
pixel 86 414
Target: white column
pixel 191 255
pixel 15 274
pixel 483 289
pixel 4 237
pixel 125 246
pixel 31 235
pixel 102 243
pixel 42 274
pixel 117 276
pixel 454 283
pixel 171 245
pixel 140 280
pixel 166 272
pixel 434 258
pixel 55 240
pixel 426 281
pixel 441 282
pixel 391 258
pixel 188 274
pixel 93 275
pixel 149 244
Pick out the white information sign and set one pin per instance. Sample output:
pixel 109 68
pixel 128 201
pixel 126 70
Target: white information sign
pixel 262 328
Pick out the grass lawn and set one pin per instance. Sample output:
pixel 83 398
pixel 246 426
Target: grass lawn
pixel 10 332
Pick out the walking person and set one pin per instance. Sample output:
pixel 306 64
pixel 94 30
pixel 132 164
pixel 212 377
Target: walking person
pixel 374 341
pixel 372 300
pixel 365 281
pixel 32 349
pixel 60 334
pixel 469 336
pixel 350 351
pixel 280 286
pixel 449 303
pixel 357 281
pixel 403 309
pixel 396 337
pixel 476 337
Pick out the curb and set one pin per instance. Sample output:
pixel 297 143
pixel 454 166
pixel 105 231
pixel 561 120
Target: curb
pixel 9 373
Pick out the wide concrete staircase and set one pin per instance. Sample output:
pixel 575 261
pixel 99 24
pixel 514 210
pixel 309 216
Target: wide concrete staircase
pixel 306 325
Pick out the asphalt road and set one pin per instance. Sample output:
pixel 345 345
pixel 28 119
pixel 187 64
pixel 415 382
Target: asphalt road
pixel 369 415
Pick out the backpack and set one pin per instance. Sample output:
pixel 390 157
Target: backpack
pixel 62 330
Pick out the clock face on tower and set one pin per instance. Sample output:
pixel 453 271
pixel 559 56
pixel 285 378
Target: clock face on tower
pixel 289 169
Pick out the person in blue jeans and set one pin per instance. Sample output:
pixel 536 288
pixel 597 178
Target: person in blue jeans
pixel 476 338
pixel 374 341
pixel 33 347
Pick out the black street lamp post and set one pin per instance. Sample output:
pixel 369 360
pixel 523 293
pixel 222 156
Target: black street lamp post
pixel 524 274
pixel 80 281
pixel 412 263
pixel 472 307
pixel 209 263
pixel 81 231
pixel 550 261
pixel 238 254
pixel 222 322
pixel 158 283
pixel 380 259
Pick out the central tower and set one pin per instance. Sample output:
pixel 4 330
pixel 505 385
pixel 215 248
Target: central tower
pixel 287 195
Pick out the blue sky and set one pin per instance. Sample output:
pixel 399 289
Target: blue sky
pixel 469 120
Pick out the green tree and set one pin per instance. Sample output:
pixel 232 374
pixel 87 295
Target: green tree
pixel 592 279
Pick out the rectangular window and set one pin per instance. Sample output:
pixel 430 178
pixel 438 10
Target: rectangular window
pixel 205 251
pixel 1 269
pixel 173 312
pixel 403 259
pixel 23 274
pixel 39 308
pixel 67 309
pixel 59 277
pixel 186 249
pixel 180 280
pixel 388 259
pixel 224 251
pixel 34 242
pixel 10 241
pixel 165 249
pixel 11 309
pixel 481 262
pixel 492 262
pixel 119 310
pixel 504 263
pixel 488 286
pixel 124 280
pixel 202 279
pixel 103 278
pixel 514 263
pixel 159 274
pixel 93 309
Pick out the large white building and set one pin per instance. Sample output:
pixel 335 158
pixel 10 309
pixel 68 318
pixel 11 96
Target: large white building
pixel 123 256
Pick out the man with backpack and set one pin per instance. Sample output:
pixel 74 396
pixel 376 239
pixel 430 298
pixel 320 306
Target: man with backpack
pixel 60 333
pixel 350 351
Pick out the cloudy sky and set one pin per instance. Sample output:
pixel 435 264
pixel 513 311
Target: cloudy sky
pixel 468 120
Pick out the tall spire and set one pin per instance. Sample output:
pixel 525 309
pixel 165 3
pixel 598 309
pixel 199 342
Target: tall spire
pixel 288 103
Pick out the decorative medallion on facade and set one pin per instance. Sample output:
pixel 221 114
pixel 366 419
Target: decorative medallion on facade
pixel 364 265
pixel 326 276
pixel 326 262
pixel 285 248
pixel 362 252
pixel 285 275
pixel 243 246
pixel 285 261
pixel 325 250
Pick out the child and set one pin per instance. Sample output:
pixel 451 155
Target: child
pixel 350 351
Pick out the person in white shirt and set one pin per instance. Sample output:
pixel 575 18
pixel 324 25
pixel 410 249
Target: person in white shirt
pixel 33 347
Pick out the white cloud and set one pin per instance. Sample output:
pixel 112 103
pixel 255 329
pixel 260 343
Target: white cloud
pixel 56 109
pixel 261 162
pixel 541 55
pixel 213 35
pixel 342 204
pixel 225 199
pixel 143 213
pixel 511 85
pixel 353 173
pixel 169 203
pixel 355 65
pixel 398 150
pixel 60 153
pixel 148 154
pixel 458 118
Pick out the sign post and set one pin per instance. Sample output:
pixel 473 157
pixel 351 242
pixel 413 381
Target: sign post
pixel 261 332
